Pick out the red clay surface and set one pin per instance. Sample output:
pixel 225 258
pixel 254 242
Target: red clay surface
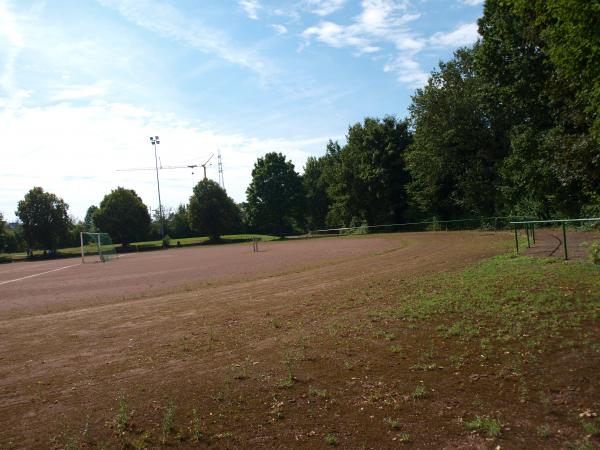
pixel 229 326
pixel 54 285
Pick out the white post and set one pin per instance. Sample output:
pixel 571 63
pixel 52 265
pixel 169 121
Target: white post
pixel 81 240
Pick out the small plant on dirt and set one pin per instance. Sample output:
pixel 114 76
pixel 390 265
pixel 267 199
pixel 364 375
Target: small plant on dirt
pixel 331 439
pixel 289 380
pixel 590 428
pixel 197 426
pixel 276 324
pixel 544 431
pixel 321 393
pixel 404 437
pixel 419 392
pixel 395 349
pixel 395 424
pixel 385 335
pixel 122 419
pixel 71 444
pixel 167 423
pixel 348 365
pixel 484 424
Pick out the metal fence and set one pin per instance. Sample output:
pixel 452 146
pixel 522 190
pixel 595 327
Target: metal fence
pixel 480 223
pixel 529 226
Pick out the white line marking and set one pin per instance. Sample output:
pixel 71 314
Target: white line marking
pixel 24 265
pixel 37 274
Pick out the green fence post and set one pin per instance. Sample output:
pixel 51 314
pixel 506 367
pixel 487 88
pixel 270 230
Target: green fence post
pixel 565 240
pixel 527 231
pixel 516 238
pixel 533 232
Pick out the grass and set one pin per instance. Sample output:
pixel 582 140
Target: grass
pixel 167 423
pixel 122 419
pixel 490 427
pixel 331 439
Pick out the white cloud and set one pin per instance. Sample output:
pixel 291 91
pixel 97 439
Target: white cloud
pixel 250 7
pixel 13 42
pixel 75 151
pixel 407 71
pixel 324 7
pixel 473 2
pixel 280 29
pixel 79 92
pixel 166 20
pixel 380 23
pixel 465 34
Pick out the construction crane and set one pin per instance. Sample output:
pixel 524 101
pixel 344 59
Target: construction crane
pixel 161 167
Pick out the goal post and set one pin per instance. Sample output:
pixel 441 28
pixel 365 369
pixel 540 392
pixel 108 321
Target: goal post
pixel 96 247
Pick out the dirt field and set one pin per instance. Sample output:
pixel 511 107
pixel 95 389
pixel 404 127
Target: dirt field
pixel 218 344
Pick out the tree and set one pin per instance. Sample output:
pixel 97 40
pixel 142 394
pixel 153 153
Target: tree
pixel 275 196
pixel 366 177
pixel 454 155
pixel 123 215
pixel 44 219
pixel 89 219
pixel 211 211
pixel 315 190
pixel 179 223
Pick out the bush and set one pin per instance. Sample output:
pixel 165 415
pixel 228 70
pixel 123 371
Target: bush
pixel 166 241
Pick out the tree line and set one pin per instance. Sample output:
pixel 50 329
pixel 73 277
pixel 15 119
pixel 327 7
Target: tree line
pixel 508 126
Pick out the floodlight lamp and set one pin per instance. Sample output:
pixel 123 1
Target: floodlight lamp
pixel 156 137
pixel 151 139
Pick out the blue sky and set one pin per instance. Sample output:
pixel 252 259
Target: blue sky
pixel 84 83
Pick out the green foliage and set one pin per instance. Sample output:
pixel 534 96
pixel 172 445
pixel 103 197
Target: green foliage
pixel 211 211
pixel 275 195
pixel 366 177
pixel 489 426
pixel 453 158
pixel 178 223
pixel 123 215
pixel 315 188
pixel 44 219
pixel 2 233
pixel 89 219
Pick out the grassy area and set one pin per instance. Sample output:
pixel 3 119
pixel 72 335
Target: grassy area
pixel 148 245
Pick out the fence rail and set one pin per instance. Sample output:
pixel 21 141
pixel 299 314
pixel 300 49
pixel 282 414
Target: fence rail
pixel 487 223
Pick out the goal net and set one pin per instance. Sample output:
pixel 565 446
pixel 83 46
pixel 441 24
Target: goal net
pixel 97 247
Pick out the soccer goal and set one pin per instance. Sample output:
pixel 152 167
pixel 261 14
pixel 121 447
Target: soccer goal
pixel 96 247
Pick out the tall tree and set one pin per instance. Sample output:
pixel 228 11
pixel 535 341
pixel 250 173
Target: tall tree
pixel 315 190
pixel 123 215
pixel 44 219
pixel 454 158
pixel 179 223
pixel 89 218
pixel 275 196
pixel 211 211
pixel 367 176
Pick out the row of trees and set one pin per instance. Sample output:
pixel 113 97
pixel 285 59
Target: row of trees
pixel 508 126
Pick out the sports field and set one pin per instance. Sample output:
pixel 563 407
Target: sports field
pixel 356 342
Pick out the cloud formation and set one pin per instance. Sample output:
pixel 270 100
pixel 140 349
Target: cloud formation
pixel 250 7
pixel 167 21
pixel 465 34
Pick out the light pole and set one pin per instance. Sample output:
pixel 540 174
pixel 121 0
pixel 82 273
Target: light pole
pixel 154 141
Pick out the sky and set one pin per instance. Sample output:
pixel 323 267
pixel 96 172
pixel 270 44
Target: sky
pixel 84 83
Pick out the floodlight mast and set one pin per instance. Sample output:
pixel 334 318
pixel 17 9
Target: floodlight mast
pixel 155 141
